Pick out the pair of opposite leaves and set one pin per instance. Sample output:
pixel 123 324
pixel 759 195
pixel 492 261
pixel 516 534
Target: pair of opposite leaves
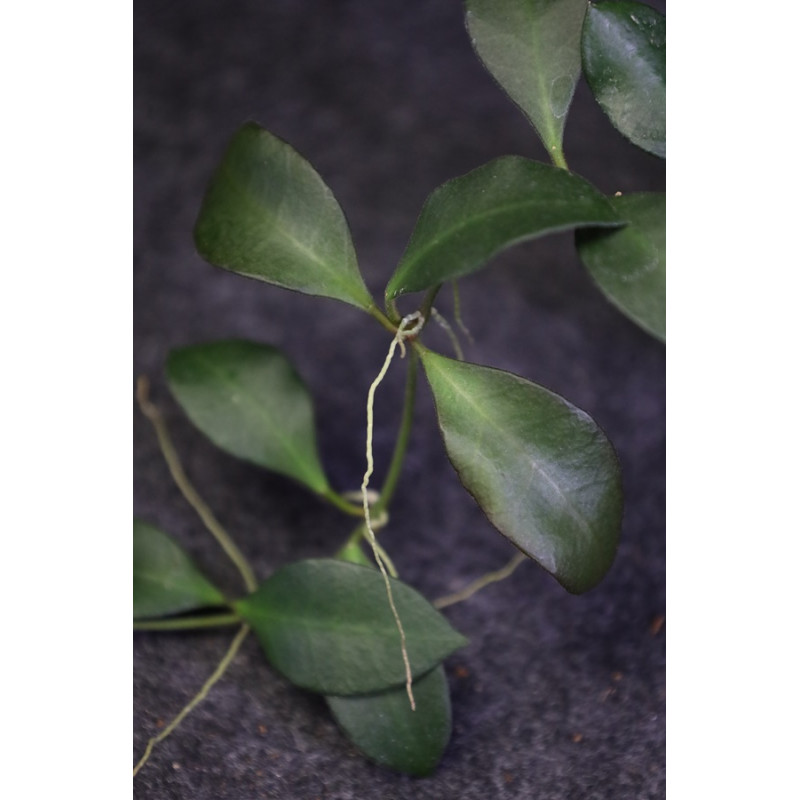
pixel 269 215
pixel 536 50
pixel 540 469
pixel 323 623
pixel 326 626
pixel 310 616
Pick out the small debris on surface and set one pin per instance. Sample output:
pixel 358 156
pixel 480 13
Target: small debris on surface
pixel 656 625
pixel 607 693
pixel 577 737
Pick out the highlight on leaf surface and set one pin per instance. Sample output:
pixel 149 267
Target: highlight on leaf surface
pixel 267 214
pixel 630 264
pixel 249 400
pixel 165 580
pixel 327 626
pixel 624 54
pixel 468 220
pixel 533 50
pixel 383 726
pixel 540 469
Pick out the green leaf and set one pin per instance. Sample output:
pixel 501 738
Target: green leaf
pixel 625 61
pixel 540 469
pixel 248 399
pixel 385 729
pixel 533 50
pixel 328 627
pixel 267 214
pixel 469 219
pixel 165 580
pixel 630 264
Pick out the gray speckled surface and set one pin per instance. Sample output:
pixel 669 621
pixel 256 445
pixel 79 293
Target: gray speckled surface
pixel 556 696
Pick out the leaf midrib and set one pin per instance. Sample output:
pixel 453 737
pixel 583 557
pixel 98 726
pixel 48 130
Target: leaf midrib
pixel 278 226
pixel 476 219
pixel 574 513
pixel 261 411
pixel 317 624
pixel 546 126
pixel 172 583
pixel 549 117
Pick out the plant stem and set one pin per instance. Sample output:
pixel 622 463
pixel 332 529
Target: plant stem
pixel 480 583
pixel 457 313
pixel 198 698
pixel 187 490
pixel 396 464
pixel 408 328
pixel 427 301
pixel 335 499
pixel 451 334
pixel 557 157
pixel 391 311
pixel 186 623
pixel 361 533
pixel 401 444
pixel 382 318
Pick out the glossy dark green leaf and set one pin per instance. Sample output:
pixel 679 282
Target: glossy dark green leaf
pixel 630 264
pixel 248 399
pixel 468 220
pixel 385 729
pixel 624 58
pixel 533 50
pixel 165 580
pixel 267 214
pixel 328 627
pixel 540 469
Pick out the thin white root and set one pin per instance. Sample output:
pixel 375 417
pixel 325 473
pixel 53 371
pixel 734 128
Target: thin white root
pixel 357 496
pixel 197 699
pixel 457 313
pixel 451 334
pixel 409 326
pixel 480 583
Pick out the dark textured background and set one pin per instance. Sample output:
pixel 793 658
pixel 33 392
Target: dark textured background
pixel 556 696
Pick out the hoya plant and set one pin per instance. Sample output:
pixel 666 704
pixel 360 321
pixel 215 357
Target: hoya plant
pixel 344 625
